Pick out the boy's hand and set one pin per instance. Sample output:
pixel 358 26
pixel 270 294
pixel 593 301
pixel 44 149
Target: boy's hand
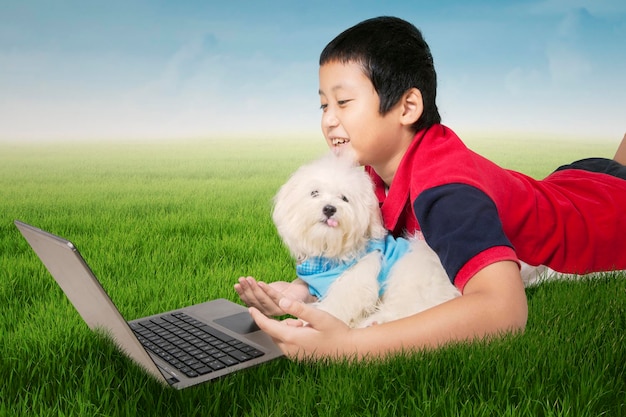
pixel 315 333
pixel 265 297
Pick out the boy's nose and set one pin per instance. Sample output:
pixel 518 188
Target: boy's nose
pixel 329 119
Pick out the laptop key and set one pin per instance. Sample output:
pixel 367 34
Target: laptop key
pixel 255 353
pixel 204 370
pixel 189 372
pixel 240 356
pixel 228 360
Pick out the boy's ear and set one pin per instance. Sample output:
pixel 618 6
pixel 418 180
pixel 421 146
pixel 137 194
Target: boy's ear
pixel 412 106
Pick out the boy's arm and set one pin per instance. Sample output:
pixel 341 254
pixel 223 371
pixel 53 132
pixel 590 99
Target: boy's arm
pixel 493 302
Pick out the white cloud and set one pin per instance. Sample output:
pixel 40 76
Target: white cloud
pixel 519 81
pixel 568 65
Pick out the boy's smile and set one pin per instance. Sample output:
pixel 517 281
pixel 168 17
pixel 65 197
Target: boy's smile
pixel 351 118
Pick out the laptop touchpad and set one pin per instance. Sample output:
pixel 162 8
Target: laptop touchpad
pixel 241 323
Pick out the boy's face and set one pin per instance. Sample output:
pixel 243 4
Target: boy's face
pixel 350 116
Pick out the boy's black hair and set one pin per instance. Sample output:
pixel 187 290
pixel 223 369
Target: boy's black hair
pixel 395 57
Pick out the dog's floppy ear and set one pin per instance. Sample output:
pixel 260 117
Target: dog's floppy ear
pixel 282 206
pixel 376 229
pixel 285 212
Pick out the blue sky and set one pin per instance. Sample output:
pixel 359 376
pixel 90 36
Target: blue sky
pixel 172 69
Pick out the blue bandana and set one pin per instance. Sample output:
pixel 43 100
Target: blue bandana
pixel 320 272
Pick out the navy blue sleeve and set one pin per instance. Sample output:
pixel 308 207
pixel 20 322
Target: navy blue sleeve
pixel 458 222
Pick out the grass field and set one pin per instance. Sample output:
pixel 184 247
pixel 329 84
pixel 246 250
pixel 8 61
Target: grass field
pixel 167 224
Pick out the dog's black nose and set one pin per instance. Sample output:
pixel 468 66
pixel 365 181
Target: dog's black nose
pixel 329 210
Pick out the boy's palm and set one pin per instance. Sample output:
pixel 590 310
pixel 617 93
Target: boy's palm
pixel 265 297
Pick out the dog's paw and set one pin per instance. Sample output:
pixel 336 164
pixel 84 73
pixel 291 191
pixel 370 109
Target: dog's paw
pixel 379 317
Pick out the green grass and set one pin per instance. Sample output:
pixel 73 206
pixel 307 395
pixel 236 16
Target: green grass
pixel 167 224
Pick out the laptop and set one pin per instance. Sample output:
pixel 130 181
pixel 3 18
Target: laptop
pixel 180 348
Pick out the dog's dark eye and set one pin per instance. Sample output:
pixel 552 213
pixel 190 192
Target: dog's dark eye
pixel 315 193
pixel 344 198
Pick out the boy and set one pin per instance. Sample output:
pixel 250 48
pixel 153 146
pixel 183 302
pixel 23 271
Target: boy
pixel 377 90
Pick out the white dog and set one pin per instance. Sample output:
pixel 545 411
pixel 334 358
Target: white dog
pixel 329 219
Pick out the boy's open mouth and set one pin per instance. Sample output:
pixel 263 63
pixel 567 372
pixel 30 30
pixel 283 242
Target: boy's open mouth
pixel 339 141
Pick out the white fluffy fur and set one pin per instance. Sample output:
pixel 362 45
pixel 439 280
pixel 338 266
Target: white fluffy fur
pixel 417 281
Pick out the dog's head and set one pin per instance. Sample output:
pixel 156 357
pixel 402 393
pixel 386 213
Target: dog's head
pixel 328 208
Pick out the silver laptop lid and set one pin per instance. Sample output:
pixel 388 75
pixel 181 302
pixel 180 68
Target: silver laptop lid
pixel 84 291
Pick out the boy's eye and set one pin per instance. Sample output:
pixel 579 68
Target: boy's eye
pixel 315 193
pixel 343 102
pixel 344 198
pixel 323 107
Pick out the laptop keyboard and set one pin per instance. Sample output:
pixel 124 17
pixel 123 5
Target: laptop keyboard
pixel 192 347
